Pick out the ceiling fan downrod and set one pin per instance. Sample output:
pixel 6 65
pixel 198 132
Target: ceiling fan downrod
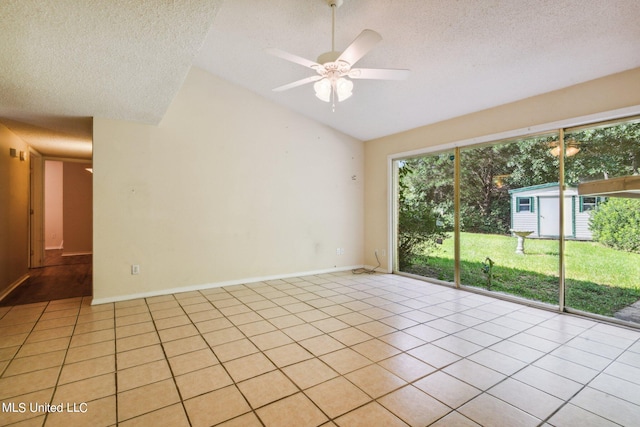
pixel 329 57
pixel 334 5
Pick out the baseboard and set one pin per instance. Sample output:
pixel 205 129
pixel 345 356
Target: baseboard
pixel 98 301
pixel 14 285
pixel 77 253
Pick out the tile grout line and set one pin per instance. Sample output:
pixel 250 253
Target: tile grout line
pixel 247 337
pixel 22 345
pixel 354 287
pixel 24 341
pixel 370 398
pixel 66 352
pixel 253 410
pixel 166 358
pixel 484 348
pixel 565 401
pixel 504 339
pixel 510 376
pixel 601 371
pixel 278 368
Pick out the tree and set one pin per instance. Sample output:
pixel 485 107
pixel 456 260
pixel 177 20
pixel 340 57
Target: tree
pixel 430 179
pixel 480 194
pixel 605 152
pixel 531 162
pixel 418 222
pixel 489 172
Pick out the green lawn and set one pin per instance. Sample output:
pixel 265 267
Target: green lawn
pixel 598 279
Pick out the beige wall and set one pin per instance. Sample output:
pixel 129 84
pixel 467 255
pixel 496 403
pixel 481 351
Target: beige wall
pixel 14 211
pixel 228 187
pixel 77 200
pixel 53 230
pixel 614 92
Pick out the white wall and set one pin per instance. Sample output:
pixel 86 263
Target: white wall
pixel 609 93
pixel 229 187
pixel 14 211
pixel 53 230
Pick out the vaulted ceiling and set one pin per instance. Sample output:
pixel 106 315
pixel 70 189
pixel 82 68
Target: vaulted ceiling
pixel 63 62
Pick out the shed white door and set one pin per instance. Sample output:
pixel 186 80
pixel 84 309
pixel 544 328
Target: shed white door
pixel 549 217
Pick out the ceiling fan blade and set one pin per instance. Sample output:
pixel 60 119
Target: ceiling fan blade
pixel 293 58
pixel 379 74
pixel 298 83
pixel 360 46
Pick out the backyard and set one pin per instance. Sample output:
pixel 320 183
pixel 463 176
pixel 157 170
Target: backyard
pixel 598 279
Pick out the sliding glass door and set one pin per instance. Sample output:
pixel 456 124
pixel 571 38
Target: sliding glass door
pixel 425 216
pixel 603 256
pixel 509 224
pixel 551 218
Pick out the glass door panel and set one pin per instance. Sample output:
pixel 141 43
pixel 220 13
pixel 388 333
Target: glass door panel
pixel 602 258
pixel 509 203
pixel 426 216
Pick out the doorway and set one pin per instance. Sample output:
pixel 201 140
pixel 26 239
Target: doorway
pixel 549 217
pixel 61 230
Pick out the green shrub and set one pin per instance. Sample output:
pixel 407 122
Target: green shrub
pixel 419 224
pixel 418 233
pixel 616 223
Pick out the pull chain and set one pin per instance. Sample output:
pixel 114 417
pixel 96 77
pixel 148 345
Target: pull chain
pixel 333 97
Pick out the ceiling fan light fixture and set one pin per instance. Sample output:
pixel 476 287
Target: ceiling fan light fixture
pixel 344 89
pixel 572 150
pixel 572 147
pixel 323 89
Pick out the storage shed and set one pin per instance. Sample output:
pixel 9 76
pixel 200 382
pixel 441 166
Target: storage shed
pixel 536 209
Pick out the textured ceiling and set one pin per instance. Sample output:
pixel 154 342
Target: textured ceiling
pixel 64 61
pixel 464 55
pixel 119 59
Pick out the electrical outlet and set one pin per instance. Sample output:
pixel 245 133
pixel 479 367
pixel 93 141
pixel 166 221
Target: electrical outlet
pixel 135 269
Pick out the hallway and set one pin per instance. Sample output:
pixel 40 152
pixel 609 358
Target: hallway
pixel 60 278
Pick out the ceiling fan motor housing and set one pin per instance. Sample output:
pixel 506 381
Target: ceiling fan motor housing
pixel 328 57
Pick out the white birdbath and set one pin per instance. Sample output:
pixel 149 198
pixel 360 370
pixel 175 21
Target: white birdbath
pixel 521 236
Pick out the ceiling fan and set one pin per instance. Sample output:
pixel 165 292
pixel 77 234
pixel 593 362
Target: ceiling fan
pixel 334 69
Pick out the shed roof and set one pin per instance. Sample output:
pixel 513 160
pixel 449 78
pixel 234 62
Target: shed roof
pixel 535 187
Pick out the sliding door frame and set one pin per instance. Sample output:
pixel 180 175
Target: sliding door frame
pixel 559 128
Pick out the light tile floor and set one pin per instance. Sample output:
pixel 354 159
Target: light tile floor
pixel 335 349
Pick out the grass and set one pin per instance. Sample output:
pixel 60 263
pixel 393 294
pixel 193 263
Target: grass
pixel 598 279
